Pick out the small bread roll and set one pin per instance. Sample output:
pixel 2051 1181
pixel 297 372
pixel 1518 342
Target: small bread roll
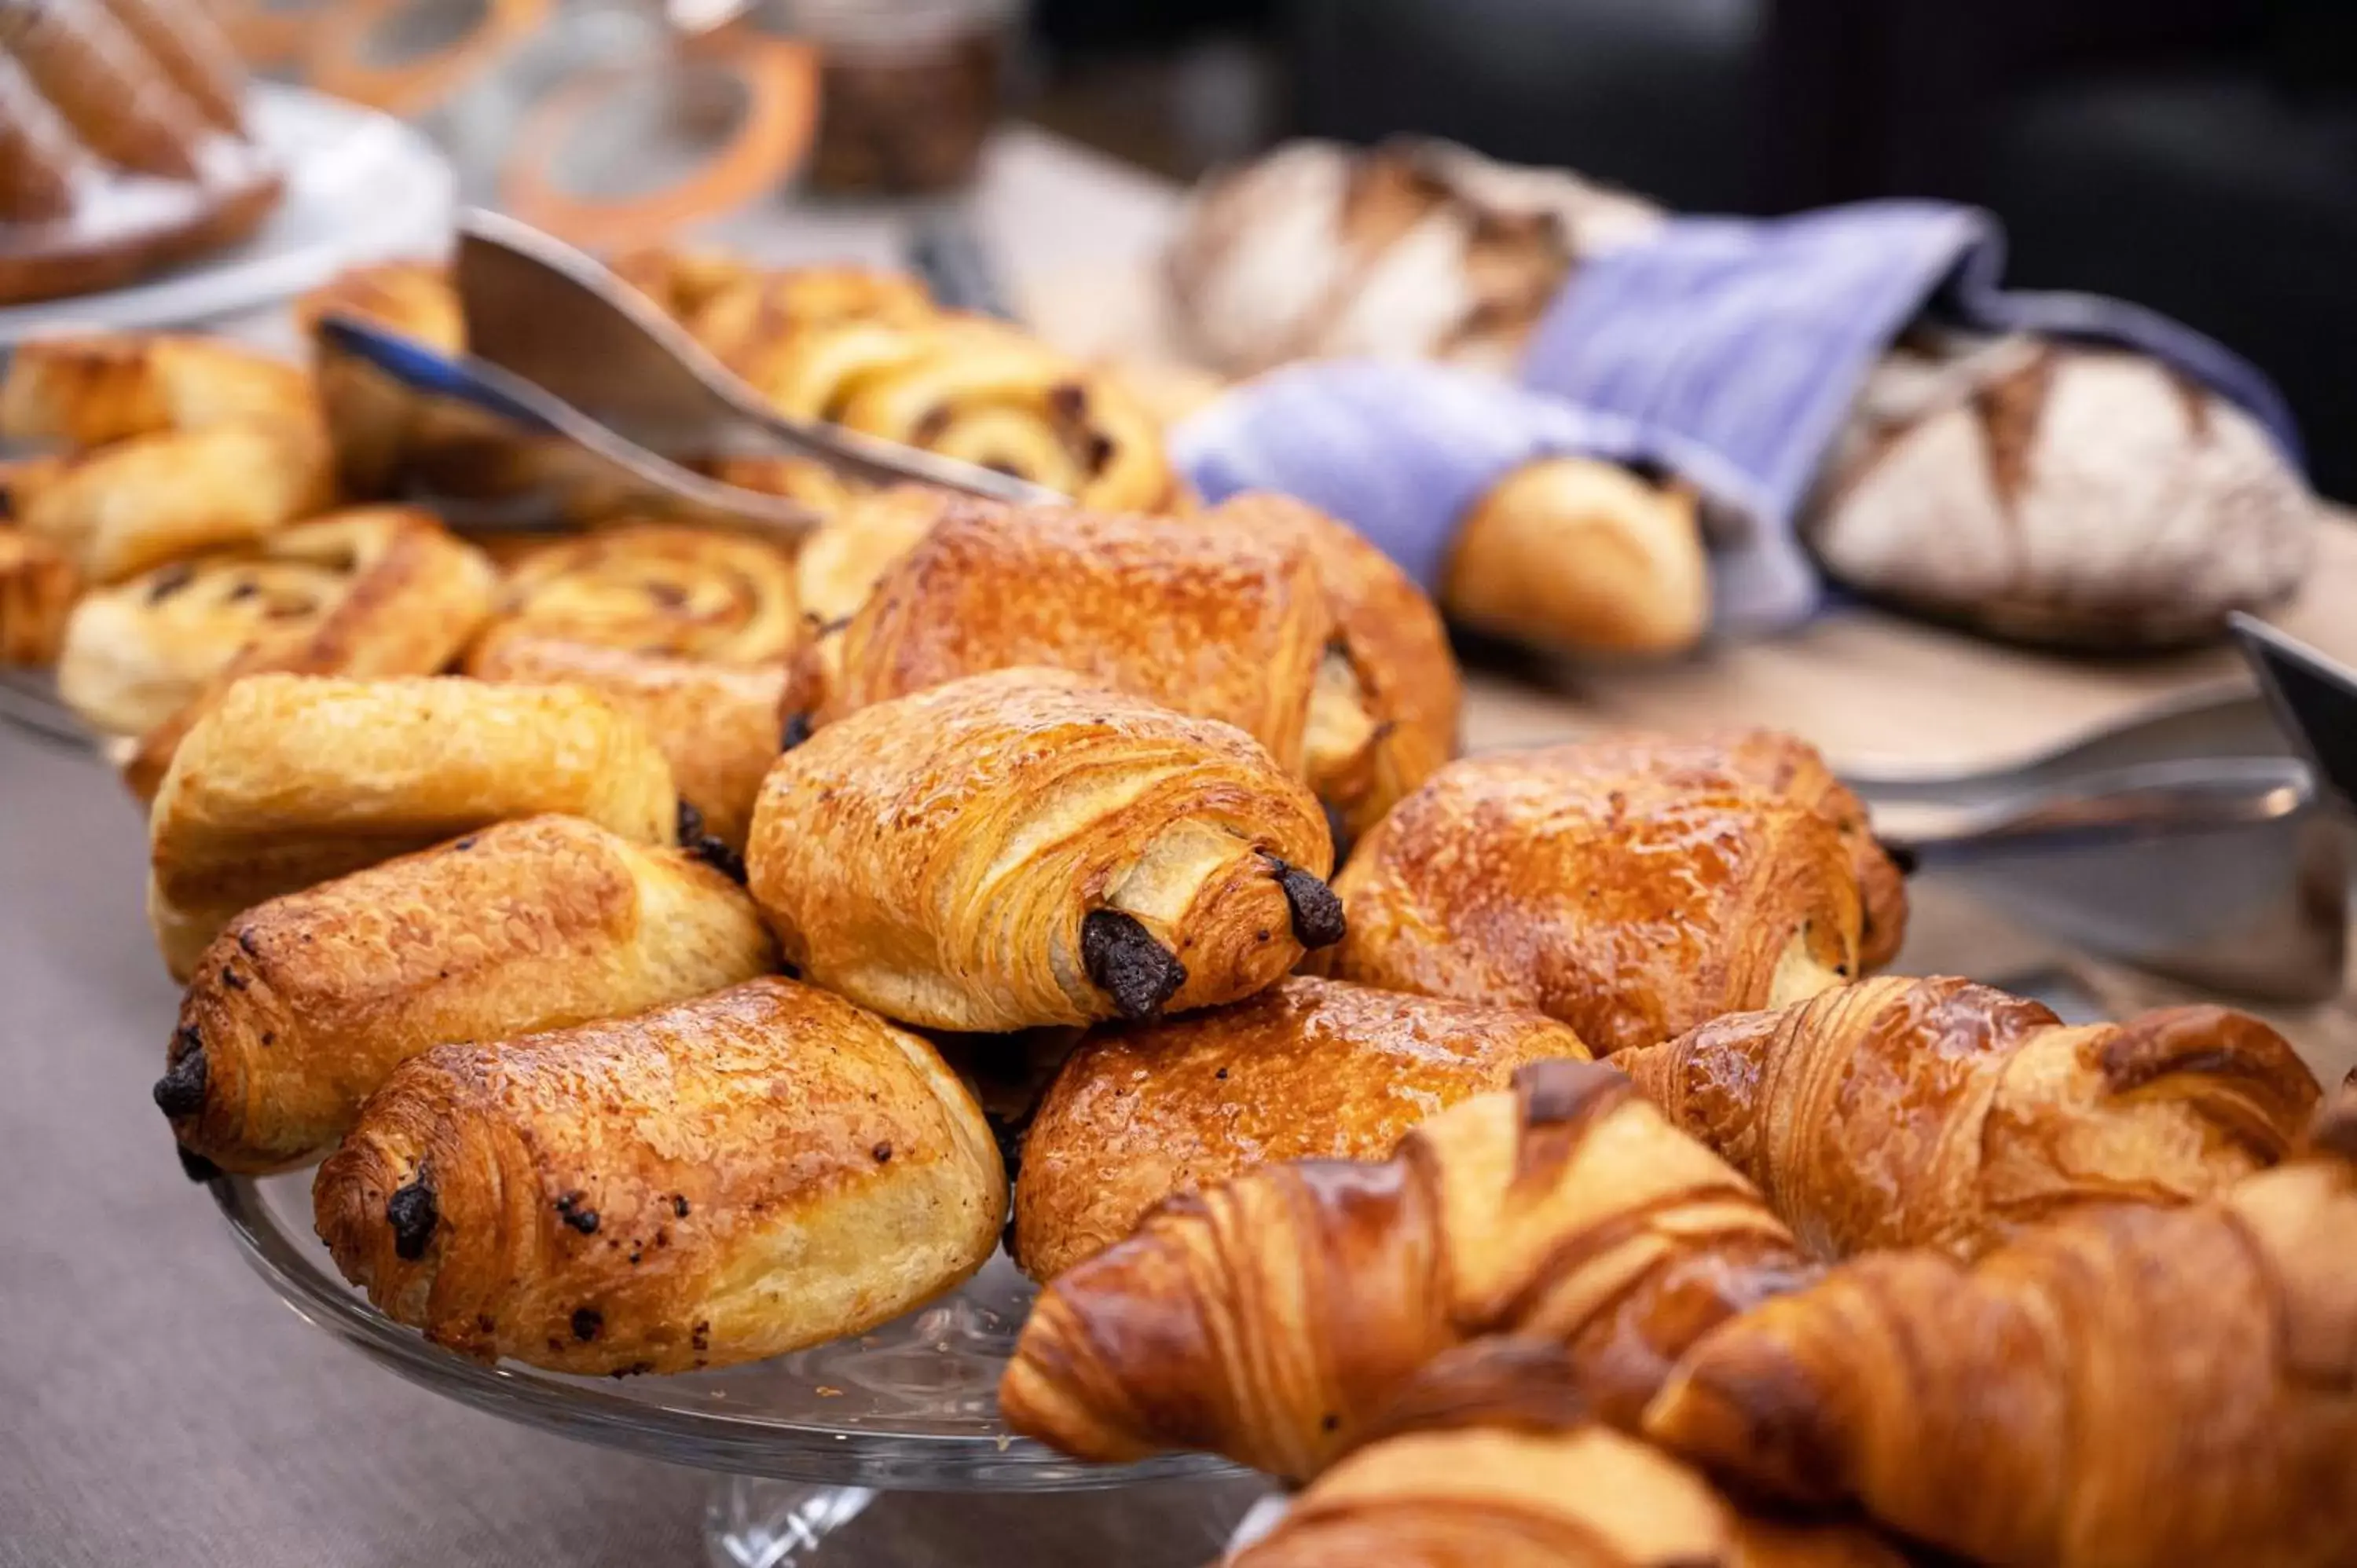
pixel 725 1179
pixel 718 725
pixel 1310 1068
pixel 292 779
pixel 303 1006
pixel 1021 849
pixel 1578 554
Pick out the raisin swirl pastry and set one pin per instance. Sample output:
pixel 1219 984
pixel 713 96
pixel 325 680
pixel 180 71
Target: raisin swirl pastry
pixel 655 588
pixel 377 591
pixel 1021 848
pixel 290 780
pixel 1310 1068
pixel 1633 888
pixel 970 388
pixel 715 1182
pixel 304 1005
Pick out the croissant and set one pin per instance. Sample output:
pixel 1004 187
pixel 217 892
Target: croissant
pixel 970 388
pixel 38 586
pixel 1308 1069
pixel 1613 885
pixel 716 724
pixel 2125 1388
pixel 1471 1465
pixel 291 781
pixel 1269 1317
pixel 138 503
pixel 715 1182
pixel 1018 849
pixel 89 391
pixel 374 592
pixel 302 1004
pixel 655 588
pixel 1210 622
pixel 413 298
pixel 1941 1113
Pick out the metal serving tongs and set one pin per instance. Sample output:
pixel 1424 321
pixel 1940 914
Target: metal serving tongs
pixel 580 398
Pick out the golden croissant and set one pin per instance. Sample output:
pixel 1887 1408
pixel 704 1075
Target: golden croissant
pixel 38 587
pixel 715 724
pixel 1310 1068
pixel 2129 1387
pixel 723 1179
pixel 1633 888
pixel 1488 1457
pixel 291 781
pixel 303 1006
pixel 1940 1113
pixel 1021 848
pixel 1269 1317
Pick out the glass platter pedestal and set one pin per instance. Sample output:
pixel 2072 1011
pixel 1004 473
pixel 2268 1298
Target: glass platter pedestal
pixel 803 1443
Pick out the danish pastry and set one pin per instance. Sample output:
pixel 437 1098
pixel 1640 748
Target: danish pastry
pixel 1021 848
pixel 1308 1069
pixel 38 586
pixel 655 588
pixel 1631 887
pixel 714 1182
pixel 374 592
pixel 975 389
pixel 290 780
pixel 1940 1113
pixel 93 390
pixel 718 725
pixel 138 503
pixel 304 1005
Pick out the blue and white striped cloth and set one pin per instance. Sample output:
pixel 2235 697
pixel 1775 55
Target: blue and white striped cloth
pixel 1727 350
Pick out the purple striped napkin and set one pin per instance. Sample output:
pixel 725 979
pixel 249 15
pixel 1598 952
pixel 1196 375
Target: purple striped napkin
pixel 1727 350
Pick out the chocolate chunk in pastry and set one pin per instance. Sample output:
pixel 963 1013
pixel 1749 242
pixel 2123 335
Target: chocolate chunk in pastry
pixel 716 1181
pixel 939 857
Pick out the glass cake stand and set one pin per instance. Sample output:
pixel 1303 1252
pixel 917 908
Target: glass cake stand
pixel 803 1442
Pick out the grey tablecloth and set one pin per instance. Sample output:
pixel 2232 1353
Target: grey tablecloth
pixel 157 1403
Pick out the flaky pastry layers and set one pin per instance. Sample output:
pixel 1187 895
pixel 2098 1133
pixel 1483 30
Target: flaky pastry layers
pixel 1310 1068
pixel 1606 885
pixel 2128 1387
pixel 728 1178
pixel 1902 1112
pixel 89 390
pixel 1270 1317
pixel 717 724
pixel 290 780
pixel 372 592
pixel 303 1006
pixel 37 588
pixel 1021 848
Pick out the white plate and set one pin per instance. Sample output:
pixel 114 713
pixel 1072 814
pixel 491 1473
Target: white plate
pixel 360 187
